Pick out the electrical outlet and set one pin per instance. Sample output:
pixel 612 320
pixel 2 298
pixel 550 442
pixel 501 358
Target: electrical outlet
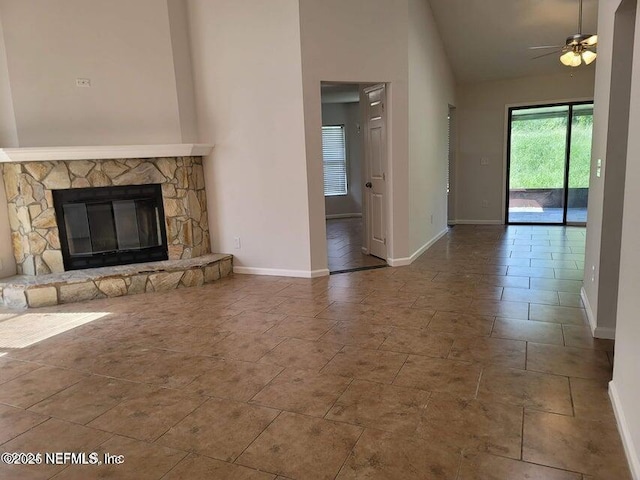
pixel 484 161
pixel 83 82
pixel 485 203
pixel 593 273
pixel 236 241
pixel 599 168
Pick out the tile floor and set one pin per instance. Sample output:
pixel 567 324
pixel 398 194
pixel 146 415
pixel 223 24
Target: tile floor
pixel 474 363
pixel 344 245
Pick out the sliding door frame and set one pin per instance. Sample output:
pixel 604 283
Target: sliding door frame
pixel 509 109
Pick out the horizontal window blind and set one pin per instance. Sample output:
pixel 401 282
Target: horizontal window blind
pixel 334 158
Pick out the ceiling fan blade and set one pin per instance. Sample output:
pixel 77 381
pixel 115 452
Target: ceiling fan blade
pixel 544 46
pixel 547 54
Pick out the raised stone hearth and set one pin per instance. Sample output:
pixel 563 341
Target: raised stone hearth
pixel 79 285
pixel 35 235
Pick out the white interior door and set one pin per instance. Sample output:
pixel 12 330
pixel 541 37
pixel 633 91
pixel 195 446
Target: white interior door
pixel 375 149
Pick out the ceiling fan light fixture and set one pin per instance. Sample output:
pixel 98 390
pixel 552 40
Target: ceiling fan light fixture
pixel 588 56
pixel 571 59
pixel 592 40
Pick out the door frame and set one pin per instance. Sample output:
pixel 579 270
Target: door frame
pixel 507 151
pixel 389 159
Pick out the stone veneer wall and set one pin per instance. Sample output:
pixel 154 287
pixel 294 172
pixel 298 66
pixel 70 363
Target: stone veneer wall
pixel 34 230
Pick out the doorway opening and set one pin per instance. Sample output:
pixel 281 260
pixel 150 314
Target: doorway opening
pixel 348 181
pixel 548 163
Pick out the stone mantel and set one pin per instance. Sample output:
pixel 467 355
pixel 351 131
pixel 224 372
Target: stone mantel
pixel 40 154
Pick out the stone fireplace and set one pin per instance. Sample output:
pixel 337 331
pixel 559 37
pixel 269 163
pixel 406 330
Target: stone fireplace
pixel 30 189
pixel 82 218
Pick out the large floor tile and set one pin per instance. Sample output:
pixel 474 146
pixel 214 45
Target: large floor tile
pixel 375 365
pixel 220 429
pixel 532 296
pixel 385 407
pixel 234 380
pixel 147 416
pixel 196 466
pixel 419 342
pixel 10 369
pixel 245 347
pixel 142 461
pixel 568 361
pixel 251 322
pixel 15 421
pixel 539 332
pixel 461 324
pixel 499 308
pixel 89 398
pixel 492 467
pixel 473 425
pixel 581 336
pixel 359 334
pixel 383 456
pixel 496 351
pixel 35 386
pixel 303 354
pixel 575 444
pixel 591 399
pixel 440 375
pixel 302 391
pixel 305 328
pixel 557 314
pixel 539 391
pixel 298 446
pixel 50 436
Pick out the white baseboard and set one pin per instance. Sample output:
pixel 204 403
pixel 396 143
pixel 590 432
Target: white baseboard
pixel 625 434
pixel 277 272
pixel 597 332
pixel 343 215
pixel 402 262
pixel 476 222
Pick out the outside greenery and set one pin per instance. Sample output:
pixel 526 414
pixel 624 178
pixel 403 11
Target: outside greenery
pixel 538 149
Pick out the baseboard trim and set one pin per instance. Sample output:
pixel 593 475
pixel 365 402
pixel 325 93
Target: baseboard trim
pixel 597 332
pixel 476 222
pixel 627 439
pixel 343 215
pixel 404 261
pixel 277 272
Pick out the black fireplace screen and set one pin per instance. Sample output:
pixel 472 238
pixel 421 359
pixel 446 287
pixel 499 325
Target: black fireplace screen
pixel 108 226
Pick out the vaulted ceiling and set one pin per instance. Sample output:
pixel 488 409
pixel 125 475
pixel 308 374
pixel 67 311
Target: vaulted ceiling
pixel 489 39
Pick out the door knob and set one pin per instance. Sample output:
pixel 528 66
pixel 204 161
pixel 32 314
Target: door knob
pixel 368 185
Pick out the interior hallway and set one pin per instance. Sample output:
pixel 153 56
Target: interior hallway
pixel 344 245
pixel 473 363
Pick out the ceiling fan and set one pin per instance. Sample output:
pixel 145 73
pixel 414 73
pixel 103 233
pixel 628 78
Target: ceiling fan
pixel 577 49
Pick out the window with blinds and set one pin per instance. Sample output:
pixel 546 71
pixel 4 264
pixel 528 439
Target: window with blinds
pixel 334 159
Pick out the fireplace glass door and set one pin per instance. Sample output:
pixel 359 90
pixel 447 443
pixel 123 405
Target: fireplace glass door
pixel 111 225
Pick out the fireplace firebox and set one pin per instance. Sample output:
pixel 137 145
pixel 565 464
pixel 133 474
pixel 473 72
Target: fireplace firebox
pixel 107 226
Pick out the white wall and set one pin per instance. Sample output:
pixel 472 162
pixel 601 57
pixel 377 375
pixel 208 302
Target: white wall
pixel 431 91
pixel 481 134
pixel 8 138
pixel 606 193
pixel 625 386
pixel 183 69
pixel 123 46
pixel 248 83
pixel 347 114
pixel 613 63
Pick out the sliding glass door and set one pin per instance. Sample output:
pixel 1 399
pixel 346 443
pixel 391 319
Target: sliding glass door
pixel 549 150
